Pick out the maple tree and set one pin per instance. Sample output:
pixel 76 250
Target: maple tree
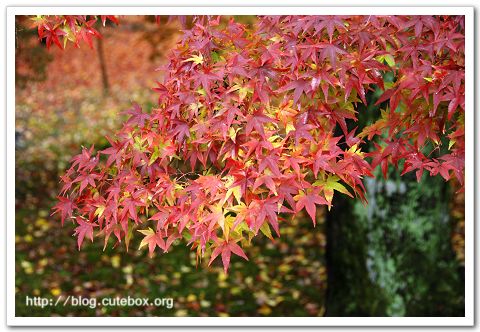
pixel 70 28
pixel 258 122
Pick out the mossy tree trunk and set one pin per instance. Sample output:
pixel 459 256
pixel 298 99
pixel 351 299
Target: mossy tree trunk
pixel 349 292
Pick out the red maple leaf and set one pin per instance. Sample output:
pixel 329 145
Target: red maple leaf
pixel 84 228
pixel 226 248
pixel 308 201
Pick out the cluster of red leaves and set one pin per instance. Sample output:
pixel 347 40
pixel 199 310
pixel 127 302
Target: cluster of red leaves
pixel 253 113
pixel 73 28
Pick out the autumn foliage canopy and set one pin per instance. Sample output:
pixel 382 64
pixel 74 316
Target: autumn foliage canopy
pixel 255 123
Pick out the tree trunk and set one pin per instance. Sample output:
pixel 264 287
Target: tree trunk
pixel 350 291
pixel 103 66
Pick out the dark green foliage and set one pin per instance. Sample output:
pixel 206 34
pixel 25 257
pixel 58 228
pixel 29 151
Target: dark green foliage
pixel 410 256
pixel 394 257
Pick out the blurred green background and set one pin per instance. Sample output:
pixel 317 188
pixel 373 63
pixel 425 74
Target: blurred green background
pixel 402 255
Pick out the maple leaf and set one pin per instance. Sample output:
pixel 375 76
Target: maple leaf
pixel 300 86
pixel 437 167
pixel 196 59
pixel 152 239
pixel 455 162
pixel 112 18
pixel 114 154
pixel 351 139
pixel 170 239
pixel 51 34
pixel 329 186
pixel 271 162
pixel 331 51
pixel 267 181
pixel 296 162
pixel 130 208
pixel 137 116
pixel 395 149
pixel 180 130
pixel 256 121
pixel 65 206
pixel 392 95
pixel 287 189
pixel 226 248
pixel 268 209
pixel 160 217
pixel 87 32
pixel 86 179
pixel 205 78
pixel 308 201
pixel 67 183
pixel 271 53
pixel 339 116
pixel 257 146
pixel 415 161
pixel 331 23
pixel 322 161
pixel 83 228
pixel 325 79
pixel 419 22
pixel 216 217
